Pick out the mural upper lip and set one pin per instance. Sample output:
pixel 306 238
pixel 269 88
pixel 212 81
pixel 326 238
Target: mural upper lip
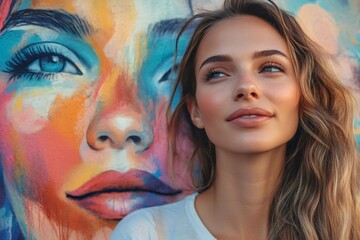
pixel 114 181
pixel 255 111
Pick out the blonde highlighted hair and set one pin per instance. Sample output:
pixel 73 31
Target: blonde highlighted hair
pixel 318 197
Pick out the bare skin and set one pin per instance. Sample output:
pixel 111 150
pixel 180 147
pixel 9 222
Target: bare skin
pixel 247 100
pixel 246 184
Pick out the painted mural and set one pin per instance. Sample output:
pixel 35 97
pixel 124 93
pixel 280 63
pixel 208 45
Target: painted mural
pixel 84 87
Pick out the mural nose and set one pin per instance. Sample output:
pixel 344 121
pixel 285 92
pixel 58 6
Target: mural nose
pixel 116 131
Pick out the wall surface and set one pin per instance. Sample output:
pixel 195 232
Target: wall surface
pixel 83 93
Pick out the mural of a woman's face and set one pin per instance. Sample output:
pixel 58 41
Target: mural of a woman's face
pixel 83 93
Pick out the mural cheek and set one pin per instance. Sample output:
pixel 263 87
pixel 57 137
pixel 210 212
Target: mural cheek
pixel 61 138
pixel 41 145
pixel 56 156
pixel 24 167
pixel 16 151
pixel 68 117
pixel 160 154
pixel 183 177
pixel 29 115
pixel 39 133
pixel 41 160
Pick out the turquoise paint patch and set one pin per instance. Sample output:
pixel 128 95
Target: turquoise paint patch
pixel 357 136
pixel 25 4
pixel 294 6
pixel 156 76
pixel 158 173
pixel 15 42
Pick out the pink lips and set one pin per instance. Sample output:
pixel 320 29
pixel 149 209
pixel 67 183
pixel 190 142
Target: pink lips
pixel 250 117
pixel 112 195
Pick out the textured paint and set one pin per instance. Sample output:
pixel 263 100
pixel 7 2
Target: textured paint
pixel 99 123
pixel 88 114
pixel 336 26
pixel 4 6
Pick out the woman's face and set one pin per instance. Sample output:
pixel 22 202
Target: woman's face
pixel 83 95
pixel 247 96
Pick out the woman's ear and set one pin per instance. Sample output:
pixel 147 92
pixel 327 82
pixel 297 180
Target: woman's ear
pixel 194 112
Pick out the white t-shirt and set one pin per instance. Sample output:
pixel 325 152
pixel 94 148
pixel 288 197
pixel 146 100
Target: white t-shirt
pixel 175 221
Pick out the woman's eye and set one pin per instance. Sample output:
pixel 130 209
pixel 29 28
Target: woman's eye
pixel 53 63
pixel 213 74
pixel 271 68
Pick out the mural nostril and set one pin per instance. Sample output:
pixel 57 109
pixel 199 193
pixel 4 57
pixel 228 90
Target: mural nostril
pixel 103 138
pixel 135 139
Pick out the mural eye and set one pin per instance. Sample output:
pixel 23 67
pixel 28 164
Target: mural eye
pixel 43 61
pixel 170 74
pixel 53 63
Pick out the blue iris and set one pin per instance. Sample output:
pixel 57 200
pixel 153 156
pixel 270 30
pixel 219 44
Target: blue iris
pixel 52 63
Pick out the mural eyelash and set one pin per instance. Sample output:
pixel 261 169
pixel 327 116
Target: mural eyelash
pixel 31 76
pixel 18 66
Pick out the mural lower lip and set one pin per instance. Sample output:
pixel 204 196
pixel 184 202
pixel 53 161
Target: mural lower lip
pixel 116 205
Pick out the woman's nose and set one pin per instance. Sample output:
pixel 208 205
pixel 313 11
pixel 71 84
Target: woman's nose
pixel 246 88
pixel 119 129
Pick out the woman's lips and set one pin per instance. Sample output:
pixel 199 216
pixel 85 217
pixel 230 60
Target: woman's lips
pixel 112 195
pixel 250 117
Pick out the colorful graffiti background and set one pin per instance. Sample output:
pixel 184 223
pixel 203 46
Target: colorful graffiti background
pixel 83 93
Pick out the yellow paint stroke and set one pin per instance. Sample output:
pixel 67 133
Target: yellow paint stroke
pixel 140 50
pixel 54 4
pixel 81 175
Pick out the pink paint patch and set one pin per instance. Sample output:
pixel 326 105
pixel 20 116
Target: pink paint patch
pixel 4 11
pixel 27 121
pixel 320 25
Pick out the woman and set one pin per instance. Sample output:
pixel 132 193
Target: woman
pixel 273 130
pixel 83 92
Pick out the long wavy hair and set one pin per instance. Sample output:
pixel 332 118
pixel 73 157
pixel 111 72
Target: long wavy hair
pixel 318 196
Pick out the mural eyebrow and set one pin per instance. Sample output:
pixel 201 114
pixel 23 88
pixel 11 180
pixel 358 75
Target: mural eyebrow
pixel 169 26
pixel 53 19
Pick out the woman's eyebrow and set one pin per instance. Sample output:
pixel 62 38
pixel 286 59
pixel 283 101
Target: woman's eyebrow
pixel 216 58
pixel 267 53
pixel 53 19
pixel 257 54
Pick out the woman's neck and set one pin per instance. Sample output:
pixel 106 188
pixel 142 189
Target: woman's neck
pixel 237 204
